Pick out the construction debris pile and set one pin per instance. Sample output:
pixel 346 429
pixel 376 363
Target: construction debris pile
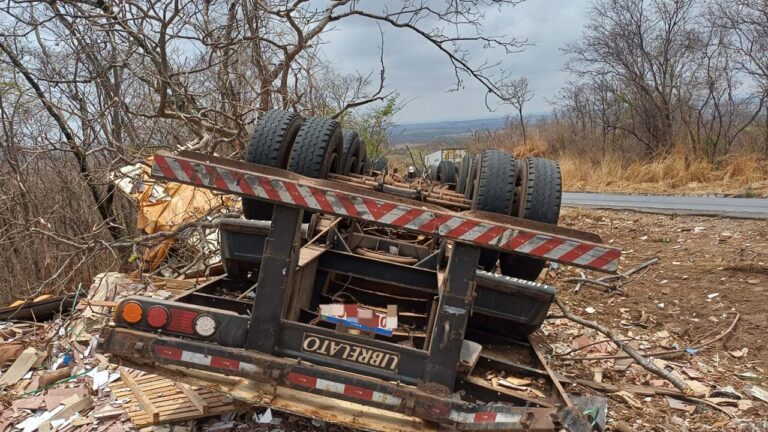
pixel 53 380
pixel 163 207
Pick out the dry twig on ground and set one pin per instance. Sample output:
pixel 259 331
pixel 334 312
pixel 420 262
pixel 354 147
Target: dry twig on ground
pixel 596 282
pixel 611 282
pixel 619 341
pixel 670 353
pixel 622 276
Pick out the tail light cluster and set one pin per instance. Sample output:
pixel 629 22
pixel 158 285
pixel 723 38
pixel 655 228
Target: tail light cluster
pixel 169 318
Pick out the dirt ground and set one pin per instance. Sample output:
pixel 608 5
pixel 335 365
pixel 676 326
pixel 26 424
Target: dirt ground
pixel 710 270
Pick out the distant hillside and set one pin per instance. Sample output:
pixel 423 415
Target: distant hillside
pixel 446 132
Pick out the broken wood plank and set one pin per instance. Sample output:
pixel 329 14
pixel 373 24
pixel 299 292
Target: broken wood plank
pixel 140 396
pixel 524 389
pixel 10 351
pixel 72 405
pixel 108 412
pixel 20 367
pixel 533 340
pixel 310 253
pixel 520 395
pixel 47 378
pixel 193 397
pixel 54 397
pixel 29 403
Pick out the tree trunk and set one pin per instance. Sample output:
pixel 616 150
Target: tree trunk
pixel 765 136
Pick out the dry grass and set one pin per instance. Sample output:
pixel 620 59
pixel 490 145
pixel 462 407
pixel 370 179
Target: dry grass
pixel 741 174
pixel 744 175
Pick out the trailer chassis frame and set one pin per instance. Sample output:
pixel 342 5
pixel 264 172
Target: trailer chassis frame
pixel 431 373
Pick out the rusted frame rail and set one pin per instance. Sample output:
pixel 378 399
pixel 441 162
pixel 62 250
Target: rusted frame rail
pixel 440 197
pixel 148 349
pixel 503 233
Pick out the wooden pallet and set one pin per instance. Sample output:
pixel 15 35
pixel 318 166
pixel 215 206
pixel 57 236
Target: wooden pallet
pixel 155 400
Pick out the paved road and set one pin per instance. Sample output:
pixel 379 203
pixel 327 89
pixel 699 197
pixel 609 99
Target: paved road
pixel 752 208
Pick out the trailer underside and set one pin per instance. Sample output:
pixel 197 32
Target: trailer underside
pixel 418 332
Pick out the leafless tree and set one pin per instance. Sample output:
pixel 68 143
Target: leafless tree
pixel 644 47
pixel 591 109
pixel 519 94
pixel 665 73
pixel 746 22
pixel 88 86
pixel 715 107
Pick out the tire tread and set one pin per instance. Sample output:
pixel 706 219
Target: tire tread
pixel 541 202
pixel 495 192
pixel 270 145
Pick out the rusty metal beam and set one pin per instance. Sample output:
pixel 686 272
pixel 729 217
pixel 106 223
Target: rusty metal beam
pixel 435 196
pixel 151 350
pixel 456 297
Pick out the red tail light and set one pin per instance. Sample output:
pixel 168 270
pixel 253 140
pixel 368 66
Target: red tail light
pixel 182 321
pixel 157 316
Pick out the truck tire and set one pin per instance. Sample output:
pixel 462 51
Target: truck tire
pixel 350 154
pixel 317 149
pixel 360 169
pixel 270 145
pixel 461 183
pixel 380 164
pixel 495 192
pixel 433 172
pixel 540 192
pixel 446 172
pixel 469 189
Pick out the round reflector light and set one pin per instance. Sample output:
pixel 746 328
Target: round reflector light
pixel 157 316
pixel 132 312
pixel 205 325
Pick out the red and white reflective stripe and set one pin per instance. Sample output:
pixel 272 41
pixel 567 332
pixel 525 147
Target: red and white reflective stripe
pixel 355 392
pixel 204 360
pixel 311 382
pixel 484 417
pixel 450 225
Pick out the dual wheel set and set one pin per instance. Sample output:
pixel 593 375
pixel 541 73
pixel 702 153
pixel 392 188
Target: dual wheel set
pixel 495 182
pixel 492 181
pixel 530 188
pixel 314 147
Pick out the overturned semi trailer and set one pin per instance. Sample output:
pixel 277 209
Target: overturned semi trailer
pixel 358 305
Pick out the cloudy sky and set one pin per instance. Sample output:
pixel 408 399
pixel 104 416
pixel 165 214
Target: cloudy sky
pixel 424 77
